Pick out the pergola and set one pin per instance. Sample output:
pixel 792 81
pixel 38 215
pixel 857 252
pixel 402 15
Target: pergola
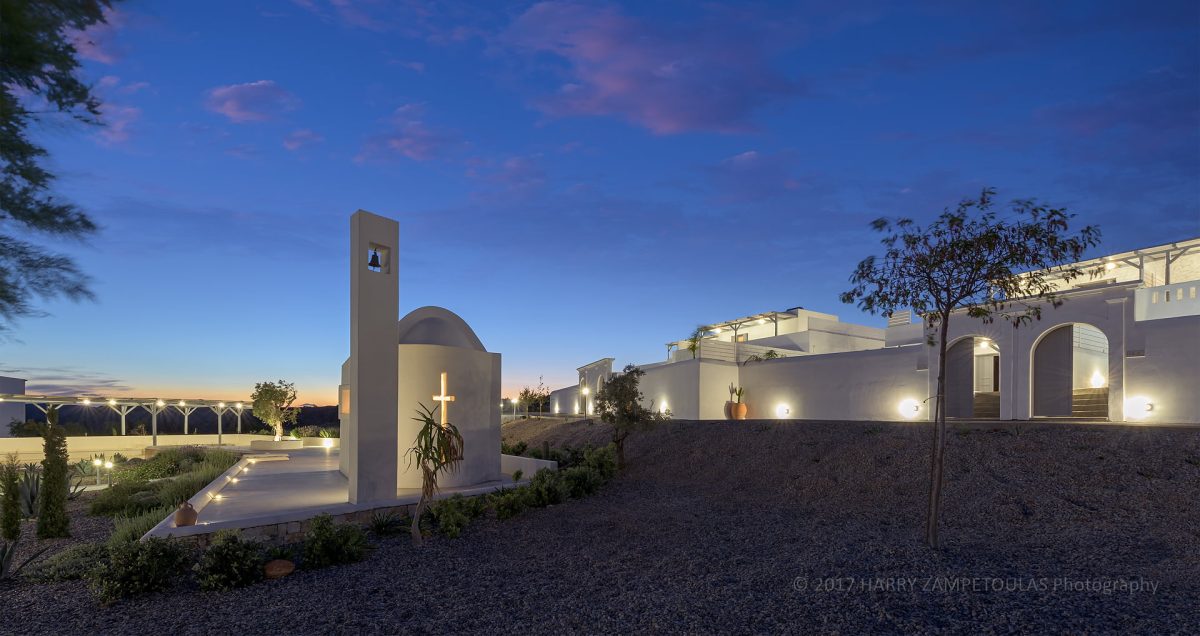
pixel 735 325
pixel 123 406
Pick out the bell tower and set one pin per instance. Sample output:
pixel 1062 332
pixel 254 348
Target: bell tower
pixel 368 394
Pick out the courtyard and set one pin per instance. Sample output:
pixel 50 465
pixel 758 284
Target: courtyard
pixel 759 526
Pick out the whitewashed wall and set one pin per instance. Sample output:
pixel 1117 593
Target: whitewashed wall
pixel 1168 375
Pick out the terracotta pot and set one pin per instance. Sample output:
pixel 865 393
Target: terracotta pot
pixel 729 410
pixel 185 515
pixel 278 568
pixel 739 411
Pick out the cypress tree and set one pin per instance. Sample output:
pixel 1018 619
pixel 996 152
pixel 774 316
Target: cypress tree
pixel 52 498
pixel 10 503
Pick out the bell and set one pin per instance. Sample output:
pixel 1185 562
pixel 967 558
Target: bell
pixel 374 262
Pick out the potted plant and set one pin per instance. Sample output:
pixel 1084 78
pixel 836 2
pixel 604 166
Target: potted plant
pixel 739 409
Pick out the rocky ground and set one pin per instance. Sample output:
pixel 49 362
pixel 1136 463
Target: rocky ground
pixel 762 527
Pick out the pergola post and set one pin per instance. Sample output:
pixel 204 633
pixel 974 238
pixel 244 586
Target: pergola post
pixel 187 412
pixel 239 412
pixel 219 410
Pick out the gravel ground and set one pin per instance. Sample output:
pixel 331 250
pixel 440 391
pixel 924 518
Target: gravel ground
pixel 754 527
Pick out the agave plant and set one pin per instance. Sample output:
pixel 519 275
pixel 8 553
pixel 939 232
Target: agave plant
pixel 438 448
pixel 8 551
pixel 29 485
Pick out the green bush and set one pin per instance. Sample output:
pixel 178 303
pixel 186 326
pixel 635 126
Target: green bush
pixel 52 519
pixel 175 491
pixel 547 488
pixel 513 449
pixel 517 474
pixel 581 481
pixel 129 529
pixel 126 498
pixel 10 502
pixel 137 567
pixel 511 502
pixel 603 460
pixel 327 544
pixel 454 513
pixel 71 564
pixel 229 562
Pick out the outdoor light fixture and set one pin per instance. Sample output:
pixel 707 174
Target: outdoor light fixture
pixel 182 403
pixel 87 402
pixel 1097 380
pixel 716 330
pixel 585 390
pixel 97 462
pixel 327 442
pixel 160 403
pixel 1110 266
pixel 112 402
pixel 1138 407
pixel 221 404
pixel 374 262
pixel 909 408
pixel 762 321
pixel 782 411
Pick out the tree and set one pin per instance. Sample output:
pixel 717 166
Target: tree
pixel 619 403
pixel 10 501
pixel 272 403
pixel 694 339
pixel 52 518
pixel 536 398
pixel 969 259
pixel 38 65
pixel 437 449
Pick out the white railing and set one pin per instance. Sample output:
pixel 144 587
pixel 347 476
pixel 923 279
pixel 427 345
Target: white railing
pixel 729 351
pixel 1167 301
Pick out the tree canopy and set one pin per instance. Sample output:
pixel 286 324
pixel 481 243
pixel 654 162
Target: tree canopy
pixel 272 404
pixel 39 78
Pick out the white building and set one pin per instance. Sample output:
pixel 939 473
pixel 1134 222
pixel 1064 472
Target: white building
pixel 1125 346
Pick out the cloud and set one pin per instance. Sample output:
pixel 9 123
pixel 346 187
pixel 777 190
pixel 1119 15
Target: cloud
pixel 298 139
pixel 66 381
pixel 118 121
pixel 708 75
pixel 253 101
pixel 409 137
pixel 96 42
pixel 753 177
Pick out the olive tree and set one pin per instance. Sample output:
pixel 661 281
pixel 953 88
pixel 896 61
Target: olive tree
pixel 272 403
pixel 535 398
pixel 619 404
pixel 972 260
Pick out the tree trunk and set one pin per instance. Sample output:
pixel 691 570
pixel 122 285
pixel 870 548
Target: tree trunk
pixel 619 442
pixel 417 539
pixel 939 441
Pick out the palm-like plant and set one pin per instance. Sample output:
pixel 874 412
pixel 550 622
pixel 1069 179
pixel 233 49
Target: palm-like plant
pixel 438 448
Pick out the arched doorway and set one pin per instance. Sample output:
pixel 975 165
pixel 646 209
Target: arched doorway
pixel 1070 373
pixel 973 378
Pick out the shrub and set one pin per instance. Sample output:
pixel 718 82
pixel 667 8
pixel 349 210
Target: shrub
pixel 517 474
pixel 511 503
pixel 454 513
pixel 513 449
pixel 71 564
pixel 547 488
pixel 229 562
pixel 126 499
pixel 330 431
pixel 52 500
pixel 178 490
pixel 308 430
pixel 130 529
pixel 10 502
pixel 327 544
pixel 581 481
pixel 603 460
pixel 385 523
pixel 136 568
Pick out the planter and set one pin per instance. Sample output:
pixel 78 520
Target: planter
pixel 739 411
pixel 729 410
pixel 185 515
pixel 269 445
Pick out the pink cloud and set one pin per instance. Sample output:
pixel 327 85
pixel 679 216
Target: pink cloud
pixel 409 137
pixel 96 42
pixel 118 121
pixel 710 75
pixel 298 139
pixel 253 101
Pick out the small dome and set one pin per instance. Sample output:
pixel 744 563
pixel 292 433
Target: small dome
pixel 438 326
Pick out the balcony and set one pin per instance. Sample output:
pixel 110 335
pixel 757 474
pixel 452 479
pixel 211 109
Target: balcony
pixel 1167 301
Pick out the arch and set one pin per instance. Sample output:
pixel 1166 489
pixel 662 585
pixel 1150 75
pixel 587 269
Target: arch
pixel 973 385
pixel 1069 372
pixel 437 326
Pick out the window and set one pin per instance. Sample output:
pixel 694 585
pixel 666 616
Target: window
pixel 742 337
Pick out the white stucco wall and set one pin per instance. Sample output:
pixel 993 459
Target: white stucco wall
pixel 565 400
pixel 1169 374
pixel 473 378
pixel 861 385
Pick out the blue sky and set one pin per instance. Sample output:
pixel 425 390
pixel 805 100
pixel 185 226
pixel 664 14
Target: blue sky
pixel 577 180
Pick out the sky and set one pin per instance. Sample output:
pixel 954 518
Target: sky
pixel 576 180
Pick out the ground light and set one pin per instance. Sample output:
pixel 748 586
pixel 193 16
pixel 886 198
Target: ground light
pixel 782 411
pixel 1138 407
pixel 909 408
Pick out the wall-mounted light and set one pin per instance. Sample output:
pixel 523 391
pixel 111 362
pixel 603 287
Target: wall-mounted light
pixel 909 408
pixel 1110 266
pixel 112 402
pixel 221 405
pixel 762 321
pixel 1138 407
pixel 716 330
pixel 782 411
pixel 87 402
pixel 1097 381
pixel 327 442
pixel 159 403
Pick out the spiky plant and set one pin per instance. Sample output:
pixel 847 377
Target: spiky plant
pixel 10 502
pixel 29 484
pixel 52 503
pixel 438 448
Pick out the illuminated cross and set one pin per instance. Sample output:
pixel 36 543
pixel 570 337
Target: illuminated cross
pixel 445 399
